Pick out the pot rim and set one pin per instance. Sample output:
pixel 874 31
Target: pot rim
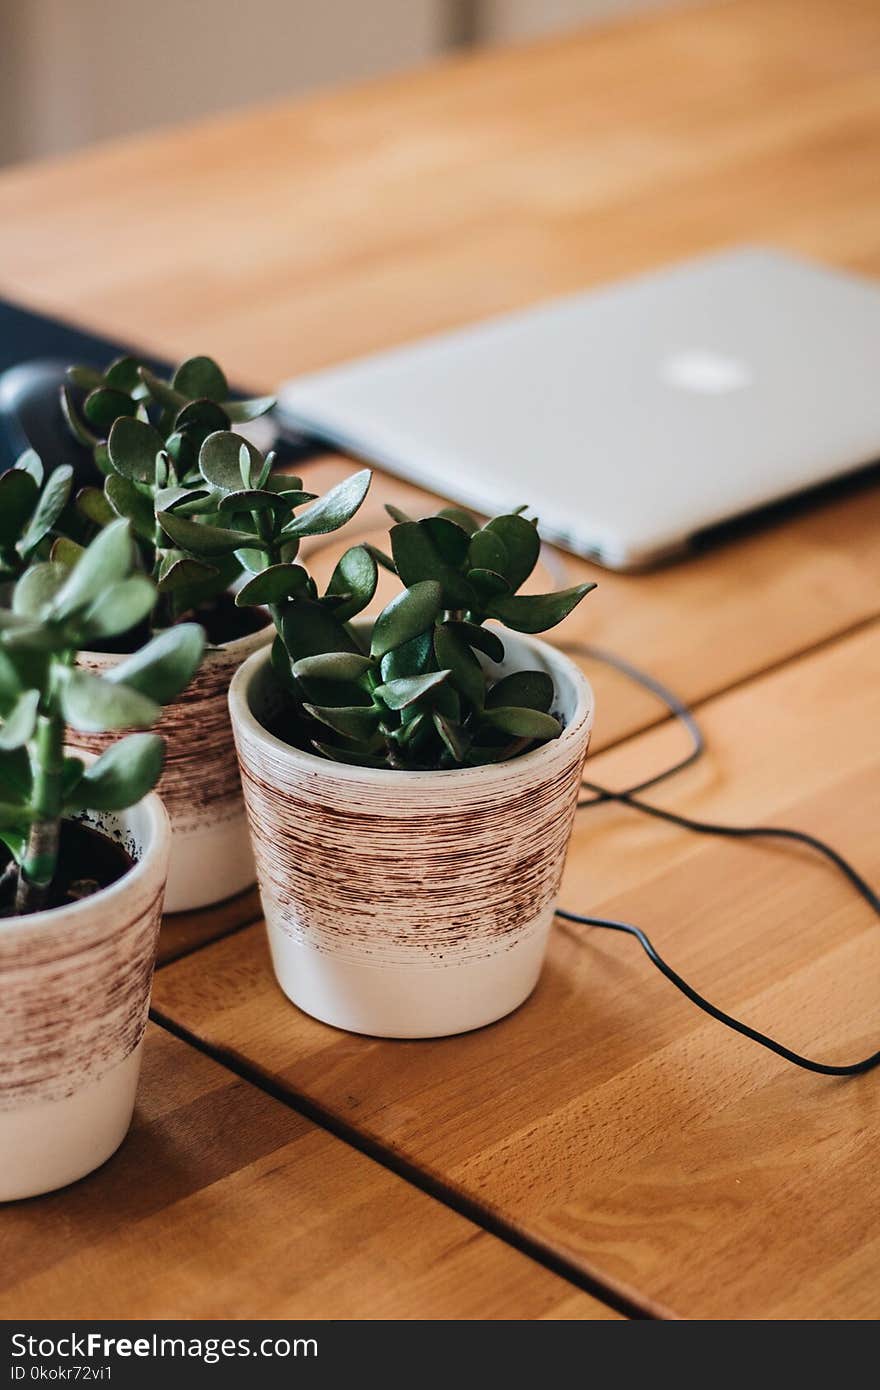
pixel 157 833
pixel 580 722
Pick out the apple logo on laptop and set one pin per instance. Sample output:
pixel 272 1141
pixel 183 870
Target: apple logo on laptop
pixel 709 373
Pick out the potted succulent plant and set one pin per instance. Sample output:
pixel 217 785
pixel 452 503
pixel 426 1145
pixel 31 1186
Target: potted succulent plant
pixel 202 504
pixel 411 782
pixel 83 859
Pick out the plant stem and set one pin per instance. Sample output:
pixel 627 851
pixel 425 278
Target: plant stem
pixel 41 854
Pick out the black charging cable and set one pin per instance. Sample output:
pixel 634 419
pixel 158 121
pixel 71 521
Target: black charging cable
pixel 629 796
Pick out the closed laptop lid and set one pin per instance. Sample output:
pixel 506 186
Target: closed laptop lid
pixel 628 417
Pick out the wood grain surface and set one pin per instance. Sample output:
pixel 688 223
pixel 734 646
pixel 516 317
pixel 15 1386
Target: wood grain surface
pixel 300 234
pixel 608 1118
pixel 182 932
pixel 224 1203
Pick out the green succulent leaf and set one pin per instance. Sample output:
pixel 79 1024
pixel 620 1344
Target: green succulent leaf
pixel 311 629
pixel 452 735
pixel 53 500
pixel 86 378
pixel 488 585
pixel 165 666
pixel 523 723
pixel 464 519
pixel 11 685
pixel 522 545
pixel 396 514
pixel 256 500
pixel 184 499
pixel 356 575
pixel 119 608
pixel 66 552
pixel 121 776
pixel 272 585
pixel 398 694
pixel 450 540
pixel 22 636
pixel 220 460
pixel 487 552
pixel 16 778
pixel 13 830
pixel 332 510
pixel 202 418
pixel 203 539
pixel 74 423
pixel 132 446
pixel 411 658
pixel 93 505
pixel 417 558
pixel 530 689
pixel 408 614
pixel 201 376
pixel 38 588
pixel 282 482
pixel 537 612
pixel 484 755
pixel 129 502
pixel 483 638
pixel 385 561
pixel 185 573
pixel 94 705
pixel 453 652
pixel 241 412
pixel 18 497
pixel 332 666
pixel 123 374
pixel 161 392
pixel 352 756
pixel 30 462
pixel 103 406
pixel 19 725
pixel 103 563
pixel 256 561
pixel 354 721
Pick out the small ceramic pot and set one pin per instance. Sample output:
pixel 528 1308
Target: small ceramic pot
pixel 410 904
pixel 75 990
pixel 211 856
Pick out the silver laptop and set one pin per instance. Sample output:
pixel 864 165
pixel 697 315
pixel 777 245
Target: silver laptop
pixel 631 418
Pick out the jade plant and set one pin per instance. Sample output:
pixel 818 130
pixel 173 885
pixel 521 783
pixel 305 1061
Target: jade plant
pixel 423 690
pixel 57 611
pixel 203 503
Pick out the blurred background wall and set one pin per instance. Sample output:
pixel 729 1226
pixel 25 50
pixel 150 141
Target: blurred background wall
pixel 77 71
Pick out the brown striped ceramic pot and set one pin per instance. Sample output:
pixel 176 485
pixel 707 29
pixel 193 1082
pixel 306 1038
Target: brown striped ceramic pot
pixel 211 856
pixel 74 995
pixel 410 904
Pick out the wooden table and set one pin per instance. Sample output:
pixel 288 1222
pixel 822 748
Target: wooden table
pixel 607 1128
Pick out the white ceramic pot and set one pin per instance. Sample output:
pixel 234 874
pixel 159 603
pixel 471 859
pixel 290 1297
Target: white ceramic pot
pixel 74 995
pixel 211 856
pixel 410 904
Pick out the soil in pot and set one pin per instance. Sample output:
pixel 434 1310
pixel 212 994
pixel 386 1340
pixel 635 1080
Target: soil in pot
pixel 88 861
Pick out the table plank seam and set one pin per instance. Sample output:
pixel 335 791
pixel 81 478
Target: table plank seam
pixel 628 1304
